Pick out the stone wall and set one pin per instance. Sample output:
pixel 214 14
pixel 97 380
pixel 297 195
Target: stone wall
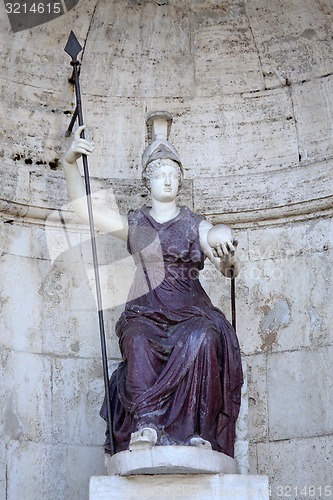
pixel 249 84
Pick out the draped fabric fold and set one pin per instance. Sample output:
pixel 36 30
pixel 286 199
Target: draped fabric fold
pixel 181 370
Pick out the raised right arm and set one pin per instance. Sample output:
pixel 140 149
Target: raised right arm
pixel 106 220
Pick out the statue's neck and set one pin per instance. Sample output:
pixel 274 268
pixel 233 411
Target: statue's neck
pixel 164 211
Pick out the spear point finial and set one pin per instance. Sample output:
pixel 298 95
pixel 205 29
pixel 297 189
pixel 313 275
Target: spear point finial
pixel 73 48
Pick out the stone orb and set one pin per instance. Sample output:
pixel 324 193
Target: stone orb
pixel 218 233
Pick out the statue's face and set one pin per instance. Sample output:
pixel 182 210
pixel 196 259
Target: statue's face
pixel 164 182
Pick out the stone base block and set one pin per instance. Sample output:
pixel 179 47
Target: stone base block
pixel 179 486
pixel 170 460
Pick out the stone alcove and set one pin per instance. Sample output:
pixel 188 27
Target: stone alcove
pixel 249 84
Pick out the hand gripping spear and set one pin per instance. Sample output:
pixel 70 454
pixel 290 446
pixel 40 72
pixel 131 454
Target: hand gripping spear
pixel 73 48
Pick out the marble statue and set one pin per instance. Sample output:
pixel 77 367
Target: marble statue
pixel 180 378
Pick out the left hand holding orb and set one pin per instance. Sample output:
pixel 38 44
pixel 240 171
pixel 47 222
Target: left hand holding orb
pixel 221 241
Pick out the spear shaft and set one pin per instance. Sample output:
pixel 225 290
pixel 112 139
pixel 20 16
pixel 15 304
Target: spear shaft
pixel 233 302
pixel 73 48
pixel 233 292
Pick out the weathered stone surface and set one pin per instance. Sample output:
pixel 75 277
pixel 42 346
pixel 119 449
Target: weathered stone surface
pixel 217 287
pixel 148 50
pixel 169 460
pixel 34 125
pixel 266 308
pixel 289 271
pixel 21 304
pixel 77 326
pixel 36 56
pixel 75 406
pixel 242 434
pixel 300 401
pixel 117 127
pixel 238 134
pixel 313 112
pixel 248 319
pixel 249 86
pixel 3 485
pixel 3 488
pixel 290 241
pixel 32 320
pixel 23 241
pixel 296 195
pixel 299 47
pixel 31 467
pixel 257 398
pixel 320 279
pixel 226 57
pixel 48 199
pixel 297 465
pixel 26 396
pixel 51 399
pixel 184 487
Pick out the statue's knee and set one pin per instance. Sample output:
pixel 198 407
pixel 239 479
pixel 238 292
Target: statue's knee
pixel 135 340
pixel 211 338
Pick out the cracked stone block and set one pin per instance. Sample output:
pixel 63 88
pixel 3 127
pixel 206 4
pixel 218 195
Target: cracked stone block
pixel 299 468
pixel 149 51
pixel 27 401
pixel 313 110
pixel 226 56
pixel 298 48
pixel 31 469
pixel 300 392
pixel 257 398
pixel 75 406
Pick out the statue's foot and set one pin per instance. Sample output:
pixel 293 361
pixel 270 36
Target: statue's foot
pixel 143 439
pixel 200 443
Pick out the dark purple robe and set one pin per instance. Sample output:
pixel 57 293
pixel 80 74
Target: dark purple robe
pixel 181 370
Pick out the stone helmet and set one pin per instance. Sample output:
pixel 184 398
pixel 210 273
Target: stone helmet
pixel 159 125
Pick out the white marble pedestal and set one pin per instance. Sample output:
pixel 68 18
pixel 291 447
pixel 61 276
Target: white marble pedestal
pixel 180 472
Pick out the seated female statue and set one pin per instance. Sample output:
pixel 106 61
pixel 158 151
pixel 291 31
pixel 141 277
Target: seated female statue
pixel 180 377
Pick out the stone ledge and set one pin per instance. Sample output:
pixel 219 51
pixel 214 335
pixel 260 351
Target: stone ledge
pixel 21 213
pixel 170 460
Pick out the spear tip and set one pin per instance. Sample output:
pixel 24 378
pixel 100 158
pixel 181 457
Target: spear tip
pixel 72 46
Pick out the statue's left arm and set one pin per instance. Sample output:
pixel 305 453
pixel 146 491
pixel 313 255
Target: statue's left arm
pixel 223 253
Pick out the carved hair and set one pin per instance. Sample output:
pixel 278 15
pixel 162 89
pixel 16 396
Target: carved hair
pixel 154 165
